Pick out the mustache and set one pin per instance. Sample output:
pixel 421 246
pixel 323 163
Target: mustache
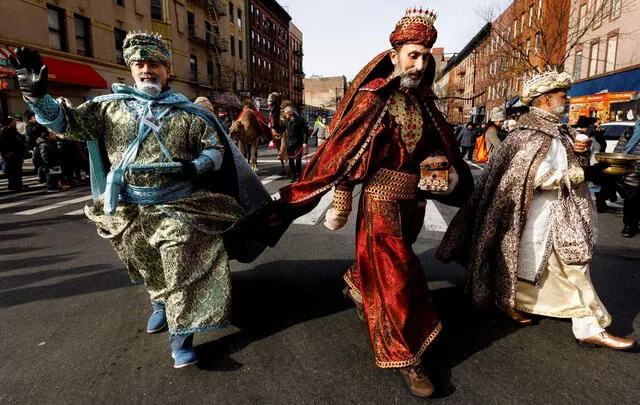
pixel 154 78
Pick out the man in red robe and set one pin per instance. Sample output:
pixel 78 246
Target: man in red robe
pixel 389 136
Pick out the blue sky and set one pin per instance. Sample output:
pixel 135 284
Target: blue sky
pixel 341 36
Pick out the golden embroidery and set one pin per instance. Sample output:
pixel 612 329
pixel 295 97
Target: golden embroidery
pixel 390 185
pixel 408 117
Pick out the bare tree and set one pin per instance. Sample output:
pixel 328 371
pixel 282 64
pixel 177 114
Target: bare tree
pixel 533 34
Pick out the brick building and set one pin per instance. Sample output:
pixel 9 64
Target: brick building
pixel 606 62
pixel 81 41
pixel 324 92
pixel 270 64
pixel 489 71
pixel 296 86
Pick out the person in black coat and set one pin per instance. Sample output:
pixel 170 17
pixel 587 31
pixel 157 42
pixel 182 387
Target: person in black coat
pixel 35 131
pixel 297 133
pixel 51 158
pixel 467 141
pixel 12 149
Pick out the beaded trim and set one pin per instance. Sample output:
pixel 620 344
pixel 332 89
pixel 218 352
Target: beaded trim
pixel 342 200
pixel 415 358
pixel 390 185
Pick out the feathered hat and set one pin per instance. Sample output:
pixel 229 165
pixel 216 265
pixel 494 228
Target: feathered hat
pixel 540 83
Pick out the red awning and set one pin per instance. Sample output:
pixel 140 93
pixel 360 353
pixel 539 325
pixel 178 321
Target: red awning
pixel 60 71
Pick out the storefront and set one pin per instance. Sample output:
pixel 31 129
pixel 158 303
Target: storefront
pixel 66 78
pixel 595 97
pixel 597 105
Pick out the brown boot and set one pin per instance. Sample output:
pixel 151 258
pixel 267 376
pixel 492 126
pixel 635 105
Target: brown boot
pixel 357 300
pixel 416 380
pixel 519 317
pixel 605 339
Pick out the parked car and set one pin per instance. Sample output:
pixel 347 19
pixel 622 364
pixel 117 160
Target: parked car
pixel 613 130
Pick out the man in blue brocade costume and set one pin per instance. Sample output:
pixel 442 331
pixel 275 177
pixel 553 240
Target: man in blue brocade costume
pixel 176 187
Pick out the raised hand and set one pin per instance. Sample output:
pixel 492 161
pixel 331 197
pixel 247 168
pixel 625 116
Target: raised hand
pixel 32 74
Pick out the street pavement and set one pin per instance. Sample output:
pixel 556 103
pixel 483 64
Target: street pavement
pixel 73 326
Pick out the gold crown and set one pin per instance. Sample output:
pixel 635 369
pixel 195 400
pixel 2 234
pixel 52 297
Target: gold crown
pixel 417 16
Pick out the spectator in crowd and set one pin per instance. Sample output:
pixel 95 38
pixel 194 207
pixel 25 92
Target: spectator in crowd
pixel 629 143
pixel 297 133
pixel 35 131
pixel 12 149
pixel 467 141
pixel 51 160
pixel 320 131
pixel 493 133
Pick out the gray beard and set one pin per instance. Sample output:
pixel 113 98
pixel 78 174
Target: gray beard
pixel 406 81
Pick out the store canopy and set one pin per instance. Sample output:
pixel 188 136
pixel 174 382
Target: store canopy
pixel 60 71
pixel 617 82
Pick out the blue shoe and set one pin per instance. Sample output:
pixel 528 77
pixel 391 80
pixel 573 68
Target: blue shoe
pixel 158 319
pixel 182 350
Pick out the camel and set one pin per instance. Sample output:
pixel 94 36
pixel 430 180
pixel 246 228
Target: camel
pixel 278 129
pixel 245 132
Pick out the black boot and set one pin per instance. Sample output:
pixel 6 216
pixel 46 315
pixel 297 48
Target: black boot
pixel 629 231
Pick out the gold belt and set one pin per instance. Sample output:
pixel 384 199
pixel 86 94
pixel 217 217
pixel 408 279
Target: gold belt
pixel 390 185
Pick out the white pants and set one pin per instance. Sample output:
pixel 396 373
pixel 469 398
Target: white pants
pixel 586 327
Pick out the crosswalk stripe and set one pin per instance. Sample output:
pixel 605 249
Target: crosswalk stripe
pixel 269 179
pixel 76 212
pixel 6 196
pixel 433 219
pixel 316 215
pixel 54 206
pixel 28 201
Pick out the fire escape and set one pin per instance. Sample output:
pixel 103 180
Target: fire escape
pixel 209 36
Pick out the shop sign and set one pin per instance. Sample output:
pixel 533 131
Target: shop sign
pixel 7 83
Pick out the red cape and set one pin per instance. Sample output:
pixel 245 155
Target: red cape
pixel 352 134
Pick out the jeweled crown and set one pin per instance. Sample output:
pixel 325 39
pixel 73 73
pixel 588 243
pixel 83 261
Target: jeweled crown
pixel 417 15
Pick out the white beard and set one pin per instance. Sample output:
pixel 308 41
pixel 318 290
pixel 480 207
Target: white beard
pixel 151 88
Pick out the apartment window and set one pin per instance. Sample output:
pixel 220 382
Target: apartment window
pixel 119 2
pixel 210 71
pixel 251 8
pixel 597 13
pixel 593 60
pixel 515 27
pixel 530 15
pixel 156 9
pixel 232 41
pixel 536 45
pixel 119 37
pixel 193 68
pixel 577 66
pixel 207 32
pixel 240 49
pixel 528 47
pixel 612 48
pixel 522 23
pixel 83 38
pixel 539 9
pixel 231 12
pixel 239 18
pixel 57 35
pixel 615 8
pixel 191 23
pixel 582 18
